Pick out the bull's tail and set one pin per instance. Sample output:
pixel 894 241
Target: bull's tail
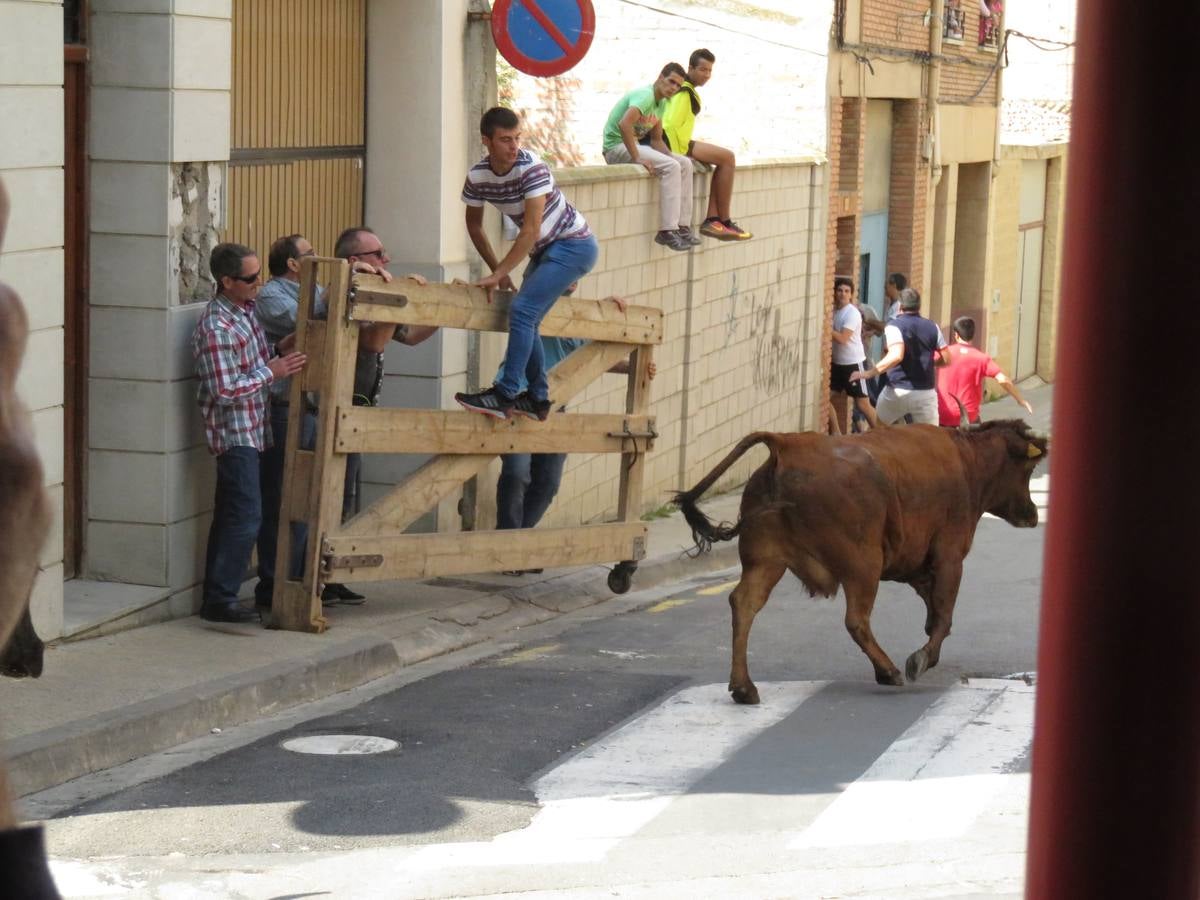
pixel 704 532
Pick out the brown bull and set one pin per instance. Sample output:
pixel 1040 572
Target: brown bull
pixel 895 504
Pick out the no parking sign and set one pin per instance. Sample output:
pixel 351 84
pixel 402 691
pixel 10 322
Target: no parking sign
pixel 543 37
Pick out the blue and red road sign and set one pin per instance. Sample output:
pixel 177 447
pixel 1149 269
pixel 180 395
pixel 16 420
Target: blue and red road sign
pixel 543 37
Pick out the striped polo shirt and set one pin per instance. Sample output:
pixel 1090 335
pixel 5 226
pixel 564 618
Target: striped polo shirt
pixel 529 177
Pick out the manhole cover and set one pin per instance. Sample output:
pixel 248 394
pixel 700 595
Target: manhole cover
pixel 340 744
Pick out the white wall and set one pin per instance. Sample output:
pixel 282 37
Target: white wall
pixel 31 164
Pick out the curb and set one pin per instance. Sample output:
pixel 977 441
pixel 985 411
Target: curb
pixel 49 758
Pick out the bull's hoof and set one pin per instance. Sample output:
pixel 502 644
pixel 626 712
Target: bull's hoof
pixel 747 695
pixel 916 664
pixel 892 678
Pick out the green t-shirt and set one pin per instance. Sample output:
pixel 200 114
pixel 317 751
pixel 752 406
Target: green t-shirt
pixel 652 113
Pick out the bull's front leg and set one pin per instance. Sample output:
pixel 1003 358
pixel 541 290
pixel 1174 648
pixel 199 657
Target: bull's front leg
pixel 860 601
pixel 939 596
pixel 745 601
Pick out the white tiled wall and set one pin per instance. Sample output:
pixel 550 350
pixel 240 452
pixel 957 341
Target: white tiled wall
pixel 31 159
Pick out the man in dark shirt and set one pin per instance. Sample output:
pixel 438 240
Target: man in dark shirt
pixel 913 343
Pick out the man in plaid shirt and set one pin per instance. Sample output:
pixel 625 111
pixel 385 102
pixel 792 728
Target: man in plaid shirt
pixel 235 367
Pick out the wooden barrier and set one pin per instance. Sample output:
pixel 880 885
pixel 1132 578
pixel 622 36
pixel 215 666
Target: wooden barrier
pixel 372 545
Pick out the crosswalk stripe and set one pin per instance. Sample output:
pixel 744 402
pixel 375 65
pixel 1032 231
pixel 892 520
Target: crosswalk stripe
pixel 610 790
pixel 937 777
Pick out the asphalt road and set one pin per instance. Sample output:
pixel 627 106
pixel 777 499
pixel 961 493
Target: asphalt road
pixel 602 757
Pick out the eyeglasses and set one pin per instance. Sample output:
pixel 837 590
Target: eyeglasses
pixel 247 279
pixel 381 253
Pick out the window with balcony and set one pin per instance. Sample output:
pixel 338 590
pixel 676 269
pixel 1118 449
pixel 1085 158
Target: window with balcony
pixel 990 14
pixel 953 21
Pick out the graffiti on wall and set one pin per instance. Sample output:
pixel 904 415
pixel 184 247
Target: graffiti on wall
pixel 777 358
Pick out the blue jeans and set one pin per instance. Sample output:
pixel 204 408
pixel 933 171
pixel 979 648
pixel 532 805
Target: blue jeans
pixel 271 482
pixel 237 513
pixel 546 277
pixel 527 485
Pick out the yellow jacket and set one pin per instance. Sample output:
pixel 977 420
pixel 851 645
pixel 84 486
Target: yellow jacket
pixel 680 118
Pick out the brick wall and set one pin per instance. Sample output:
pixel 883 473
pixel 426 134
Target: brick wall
pixel 969 72
pixel 743 326
pixel 909 192
pixel 896 23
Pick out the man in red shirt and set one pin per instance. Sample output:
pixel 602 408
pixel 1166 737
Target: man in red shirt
pixel 962 376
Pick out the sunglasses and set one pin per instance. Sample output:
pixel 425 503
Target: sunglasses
pixel 247 279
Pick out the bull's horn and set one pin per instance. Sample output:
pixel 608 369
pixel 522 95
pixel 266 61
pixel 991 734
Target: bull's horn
pixel 1032 451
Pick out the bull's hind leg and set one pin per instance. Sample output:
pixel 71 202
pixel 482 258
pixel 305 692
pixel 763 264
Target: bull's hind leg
pixel 860 600
pixel 939 594
pixel 745 601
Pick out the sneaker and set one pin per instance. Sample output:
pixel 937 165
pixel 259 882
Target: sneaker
pixel 340 593
pixel 733 232
pixel 688 235
pixel 490 402
pixel 526 406
pixel 229 613
pixel 671 240
pixel 713 228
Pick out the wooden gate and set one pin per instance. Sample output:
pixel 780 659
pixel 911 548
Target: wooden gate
pixel 371 546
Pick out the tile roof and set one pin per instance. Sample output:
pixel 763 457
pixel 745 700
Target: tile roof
pixel 1035 121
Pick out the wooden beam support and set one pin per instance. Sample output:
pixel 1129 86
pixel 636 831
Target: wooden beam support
pixel 441 476
pixel 416 556
pixel 296 605
pixel 363 429
pixel 633 462
pixel 466 306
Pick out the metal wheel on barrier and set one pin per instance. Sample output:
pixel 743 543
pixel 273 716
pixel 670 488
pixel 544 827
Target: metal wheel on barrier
pixel 621 577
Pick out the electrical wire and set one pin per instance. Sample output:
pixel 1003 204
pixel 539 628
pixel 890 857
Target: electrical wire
pixel 1038 41
pixel 667 12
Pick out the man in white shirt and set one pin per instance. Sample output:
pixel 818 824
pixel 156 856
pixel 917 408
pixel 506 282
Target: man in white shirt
pixel 848 356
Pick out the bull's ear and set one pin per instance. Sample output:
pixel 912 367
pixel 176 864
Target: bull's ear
pixel 1032 451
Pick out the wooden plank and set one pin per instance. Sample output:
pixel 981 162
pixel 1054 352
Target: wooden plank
pixel 428 555
pixel 296 606
pixel 314 346
pixel 466 306
pixel 441 476
pixel 304 499
pixel 633 463
pixel 385 430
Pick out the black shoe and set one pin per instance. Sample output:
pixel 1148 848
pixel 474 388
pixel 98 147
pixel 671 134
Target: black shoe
pixel 490 402
pixel 337 591
pixel 532 409
pixel 672 240
pixel 229 613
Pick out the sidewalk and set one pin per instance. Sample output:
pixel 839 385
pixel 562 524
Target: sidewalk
pixel 108 700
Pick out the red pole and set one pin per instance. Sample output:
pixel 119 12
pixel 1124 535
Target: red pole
pixel 1115 809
